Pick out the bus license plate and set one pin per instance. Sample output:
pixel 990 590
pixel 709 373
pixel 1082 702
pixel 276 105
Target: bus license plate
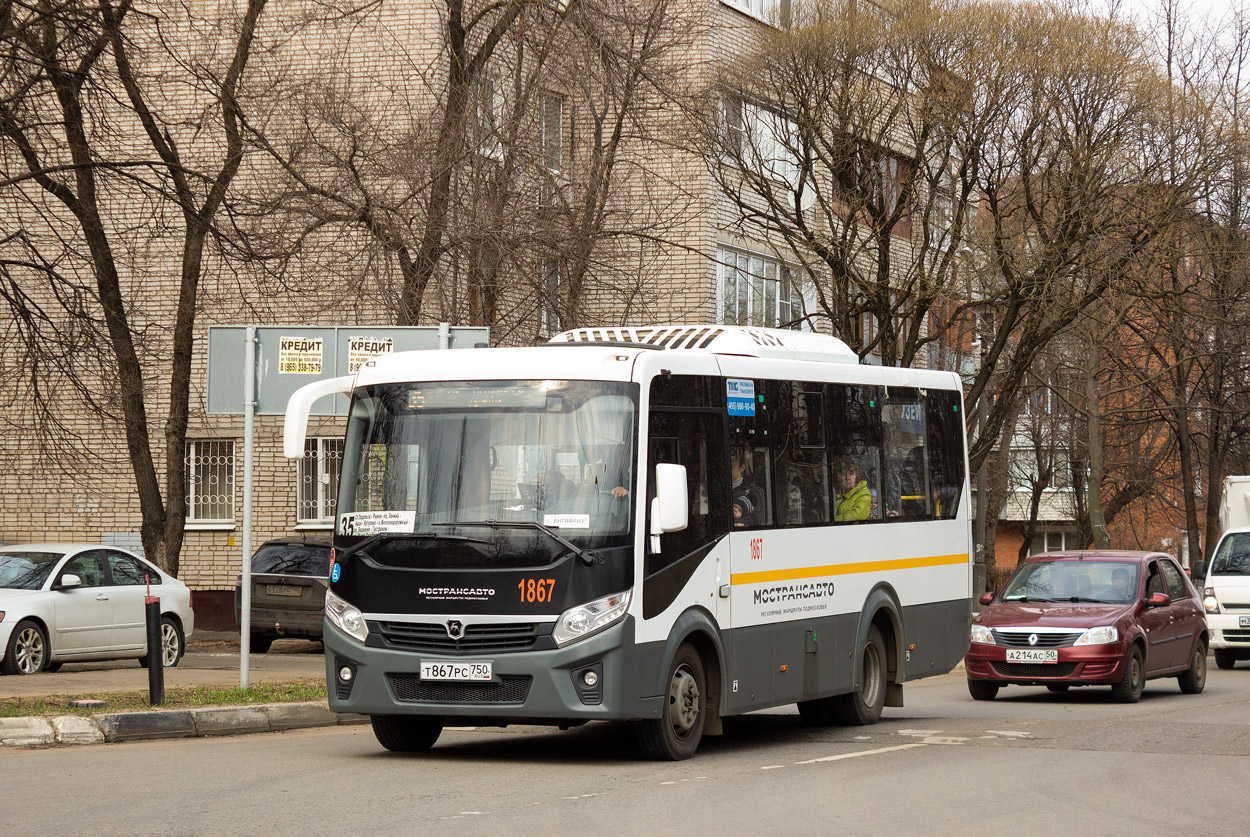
pixel 1243 621
pixel 438 670
pixel 1032 655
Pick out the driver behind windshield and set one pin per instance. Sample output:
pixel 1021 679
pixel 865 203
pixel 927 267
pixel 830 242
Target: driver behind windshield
pixel 1121 583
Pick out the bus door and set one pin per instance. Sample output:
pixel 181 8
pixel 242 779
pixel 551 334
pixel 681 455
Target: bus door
pixel 695 439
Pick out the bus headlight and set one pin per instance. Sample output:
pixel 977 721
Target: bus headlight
pixel 981 635
pixel 1209 602
pixel 346 618
pixel 582 621
pixel 1098 636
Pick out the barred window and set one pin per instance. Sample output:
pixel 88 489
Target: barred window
pixel 318 489
pixel 210 481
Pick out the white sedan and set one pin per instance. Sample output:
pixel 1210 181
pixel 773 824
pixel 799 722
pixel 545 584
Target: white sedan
pixel 62 602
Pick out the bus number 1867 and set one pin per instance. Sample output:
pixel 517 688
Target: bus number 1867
pixel 536 589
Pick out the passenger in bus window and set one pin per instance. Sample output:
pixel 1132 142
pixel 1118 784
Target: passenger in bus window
pixel 748 498
pixel 854 499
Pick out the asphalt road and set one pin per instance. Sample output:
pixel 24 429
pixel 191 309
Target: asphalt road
pixel 1028 763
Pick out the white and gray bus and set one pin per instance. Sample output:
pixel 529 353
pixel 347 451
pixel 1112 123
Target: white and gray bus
pixel 662 525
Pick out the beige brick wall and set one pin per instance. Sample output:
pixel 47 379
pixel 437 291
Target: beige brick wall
pixel 385 68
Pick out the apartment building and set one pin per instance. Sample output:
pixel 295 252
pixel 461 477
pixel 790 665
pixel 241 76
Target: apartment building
pixel 348 107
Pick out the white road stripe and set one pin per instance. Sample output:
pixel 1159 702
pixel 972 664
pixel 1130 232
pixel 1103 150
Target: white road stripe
pixel 863 753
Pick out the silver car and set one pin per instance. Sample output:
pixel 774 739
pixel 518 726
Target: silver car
pixel 62 602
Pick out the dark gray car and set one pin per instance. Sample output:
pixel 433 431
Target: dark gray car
pixel 289 580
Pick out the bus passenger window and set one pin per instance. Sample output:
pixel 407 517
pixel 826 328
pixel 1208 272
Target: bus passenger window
pixel 907 493
pixel 800 461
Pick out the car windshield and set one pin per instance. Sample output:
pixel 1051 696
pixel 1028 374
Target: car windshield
pixel 26 570
pixel 421 456
pixel 1084 581
pixel 1232 557
pixel 292 559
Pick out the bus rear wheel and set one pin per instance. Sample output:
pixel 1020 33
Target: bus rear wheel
pixel 675 735
pixel 406 733
pixel 863 706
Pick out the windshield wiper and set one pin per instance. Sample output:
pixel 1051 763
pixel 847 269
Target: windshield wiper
pixel 587 556
pixel 386 536
pixel 1082 599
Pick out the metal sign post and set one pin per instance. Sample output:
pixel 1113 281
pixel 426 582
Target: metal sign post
pixel 249 418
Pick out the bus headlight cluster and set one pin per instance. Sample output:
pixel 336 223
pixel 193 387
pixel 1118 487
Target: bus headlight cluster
pixel 1098 636
pixel 981 635
pixel 346 618
pixel 584 620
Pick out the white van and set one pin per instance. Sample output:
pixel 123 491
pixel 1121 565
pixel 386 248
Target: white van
pixel 1226 592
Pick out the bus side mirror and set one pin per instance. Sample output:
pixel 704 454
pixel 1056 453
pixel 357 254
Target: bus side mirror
pixel 670 507
pixel 1199 570
pixel 295 425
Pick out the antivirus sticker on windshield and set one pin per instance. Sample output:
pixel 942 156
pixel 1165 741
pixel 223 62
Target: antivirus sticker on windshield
pixel 357 524
pixel 567 521
pixel 741 396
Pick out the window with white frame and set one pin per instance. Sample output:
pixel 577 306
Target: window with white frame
pixel 753 290
pixel 765 10
pixel 760 138
pixel 549 296
pixel 1049 540
pixel 550 126
pixel 490 116
pixel 210 481
pixel 1023 471
pixel 318 488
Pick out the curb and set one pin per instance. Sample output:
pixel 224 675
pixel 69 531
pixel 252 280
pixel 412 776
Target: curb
pixel 65 730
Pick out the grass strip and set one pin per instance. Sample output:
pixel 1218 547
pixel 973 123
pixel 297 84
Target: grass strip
pixel 182 697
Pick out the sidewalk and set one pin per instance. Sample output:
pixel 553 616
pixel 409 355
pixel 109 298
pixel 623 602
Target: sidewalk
pixel 212 659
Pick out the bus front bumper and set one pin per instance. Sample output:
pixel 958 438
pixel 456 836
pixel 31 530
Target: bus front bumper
pixel 525 687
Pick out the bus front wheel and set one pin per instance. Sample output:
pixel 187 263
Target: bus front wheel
pixel 863 706
pixel 675 735
pixel 406 733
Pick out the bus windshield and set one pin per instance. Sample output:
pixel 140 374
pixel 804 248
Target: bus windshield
pixel 421 456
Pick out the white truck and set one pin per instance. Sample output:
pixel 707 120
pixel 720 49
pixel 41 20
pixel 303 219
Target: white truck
pixel 1226 591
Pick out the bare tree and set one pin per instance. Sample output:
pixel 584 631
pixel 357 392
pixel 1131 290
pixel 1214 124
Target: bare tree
pixel 92 111
pixel 950 160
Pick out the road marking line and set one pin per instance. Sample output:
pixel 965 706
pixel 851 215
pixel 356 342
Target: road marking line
pixel 864 753
pixel 773 767
pixel 1009 733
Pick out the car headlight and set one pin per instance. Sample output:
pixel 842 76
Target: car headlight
pixel 1209 602
pixel 346 618
pixel 1098 636
pixel 981 635
pixel 582 621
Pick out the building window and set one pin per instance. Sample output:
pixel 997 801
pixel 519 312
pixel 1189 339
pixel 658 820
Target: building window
pixel 765 10
pixel 759 139
pixel 210 481
pixel 318 490
pixel 1024 472
pixel 550 129
pixel 1048 540
pixel 549 297
pixel 490 116
pixel 755 291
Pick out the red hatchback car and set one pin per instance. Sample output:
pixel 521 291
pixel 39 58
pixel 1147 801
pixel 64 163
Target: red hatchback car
pixel 1090 618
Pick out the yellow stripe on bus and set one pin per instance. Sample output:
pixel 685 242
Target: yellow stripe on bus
pixel 847 569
